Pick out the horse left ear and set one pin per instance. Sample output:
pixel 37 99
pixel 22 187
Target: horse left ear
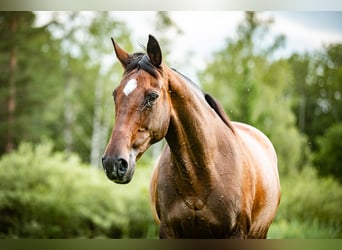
pixel 121 54
pixel 154 51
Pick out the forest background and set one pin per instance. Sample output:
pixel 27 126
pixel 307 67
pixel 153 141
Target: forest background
pixel 56 115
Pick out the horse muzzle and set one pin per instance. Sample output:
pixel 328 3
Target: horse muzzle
pixel 118 169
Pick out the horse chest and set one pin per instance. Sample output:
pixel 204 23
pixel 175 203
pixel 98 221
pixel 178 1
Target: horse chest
pixel 190 217
pixel 185 220
pixel 201 212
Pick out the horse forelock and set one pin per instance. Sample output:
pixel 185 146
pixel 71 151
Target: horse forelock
pixel 141 61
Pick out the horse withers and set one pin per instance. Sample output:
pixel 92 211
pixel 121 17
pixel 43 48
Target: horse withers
pixel 215 178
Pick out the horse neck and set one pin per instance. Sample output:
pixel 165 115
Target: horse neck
pixel 192 134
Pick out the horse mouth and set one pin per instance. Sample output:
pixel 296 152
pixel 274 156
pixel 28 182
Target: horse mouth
pixel 122 181
pixel 120 178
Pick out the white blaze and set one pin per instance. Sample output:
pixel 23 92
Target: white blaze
pixel 130 86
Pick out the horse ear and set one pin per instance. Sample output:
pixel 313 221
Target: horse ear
pixel 154 51
pixel 121 54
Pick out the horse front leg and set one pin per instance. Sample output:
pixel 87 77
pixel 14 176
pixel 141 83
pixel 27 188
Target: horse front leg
pixel 166 232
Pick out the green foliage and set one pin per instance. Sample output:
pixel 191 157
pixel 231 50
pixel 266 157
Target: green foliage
pixel 310 207
pixel 329 157
pixel 317 96
pixel 317 90
pixel 35 54
pixel 61 88
pixel 49 195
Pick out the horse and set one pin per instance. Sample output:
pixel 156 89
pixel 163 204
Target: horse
pixel 215 178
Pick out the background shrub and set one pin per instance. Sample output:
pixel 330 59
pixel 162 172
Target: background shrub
pixel 328 159
pixel 49 195
pixel 310 207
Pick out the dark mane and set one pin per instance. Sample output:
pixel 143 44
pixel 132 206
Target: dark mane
pixel 141 61
pixel 219 110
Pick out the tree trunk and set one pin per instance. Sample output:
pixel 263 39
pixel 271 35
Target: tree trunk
pixel 301 113
pixel 68 110
pixel 11 103
pixel 95 150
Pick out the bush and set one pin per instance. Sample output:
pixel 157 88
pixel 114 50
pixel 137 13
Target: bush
pixel 310 207
pixel 49 195
pixel 328 159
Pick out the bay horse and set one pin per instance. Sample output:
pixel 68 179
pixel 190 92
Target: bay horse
pixel 214 178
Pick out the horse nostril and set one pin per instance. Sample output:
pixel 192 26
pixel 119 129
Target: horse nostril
pixel 121 165
pixel 115 168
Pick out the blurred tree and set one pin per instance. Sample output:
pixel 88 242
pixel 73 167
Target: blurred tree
pixel 90 76
pixel 11 103
pixel 69 29
pixel 299 66
pixel 328 158
pixel 318 106
pixel 318 90
pixel 254 87
pixel 27 53
pixel 56 80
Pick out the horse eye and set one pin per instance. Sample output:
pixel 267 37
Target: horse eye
pixel 150 99
pixel 153 96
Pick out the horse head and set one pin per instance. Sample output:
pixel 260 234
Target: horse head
pixel 142 110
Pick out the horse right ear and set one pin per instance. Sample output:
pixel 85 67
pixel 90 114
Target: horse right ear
pixel 121 54
pixel 154 51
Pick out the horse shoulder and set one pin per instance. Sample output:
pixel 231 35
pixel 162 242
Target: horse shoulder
pixel 163 159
